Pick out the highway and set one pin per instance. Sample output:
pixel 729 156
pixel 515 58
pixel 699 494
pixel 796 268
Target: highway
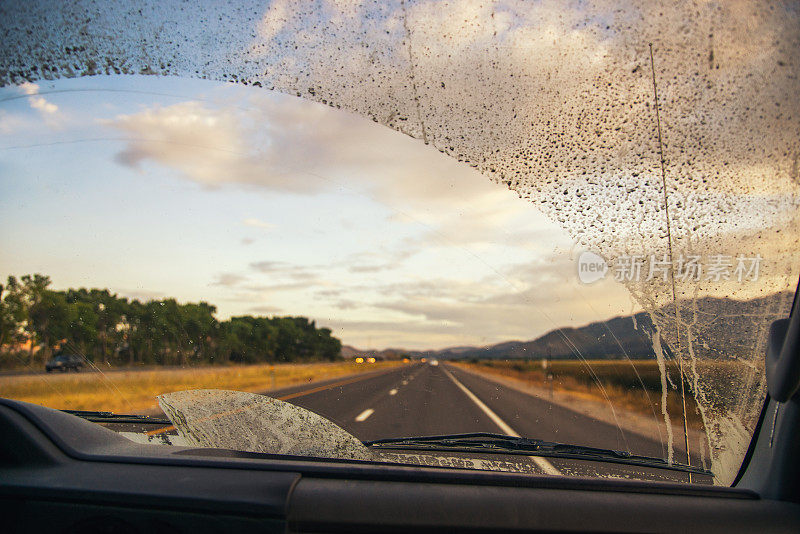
pixel 423 399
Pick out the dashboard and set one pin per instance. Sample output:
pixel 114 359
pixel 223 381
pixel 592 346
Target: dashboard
pixel 60 473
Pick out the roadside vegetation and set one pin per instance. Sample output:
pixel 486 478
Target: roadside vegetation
pixel 135 391
pixel 618 378
pixel 37 322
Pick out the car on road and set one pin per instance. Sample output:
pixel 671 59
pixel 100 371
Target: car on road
pixel 64 363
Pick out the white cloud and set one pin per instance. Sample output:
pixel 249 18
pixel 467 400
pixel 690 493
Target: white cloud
pixel 29 88
pixel 476 313
pixel 18 122
pixel 258 223
pixel 43 105
pixel 38 102
pixel 281 144
pixel 204 145
pixel 228 279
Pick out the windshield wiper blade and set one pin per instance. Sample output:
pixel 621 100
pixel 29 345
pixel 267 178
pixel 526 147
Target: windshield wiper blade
pixel 490 443
pixel 110 417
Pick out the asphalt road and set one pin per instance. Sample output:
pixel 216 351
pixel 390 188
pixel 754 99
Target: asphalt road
pixel 422 399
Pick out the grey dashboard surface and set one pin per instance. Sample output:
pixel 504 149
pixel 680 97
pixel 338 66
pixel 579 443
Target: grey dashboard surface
pixel 48 486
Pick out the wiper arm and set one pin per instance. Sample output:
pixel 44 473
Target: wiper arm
pixel 110 417
pixel 487 442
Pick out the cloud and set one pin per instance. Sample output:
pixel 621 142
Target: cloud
pixel 228 279
pixel 210 146
pixel 257 223
pixel 29 88
pixel 253 293
pixel 271 310
pixel 346 304
pixel 519 301
pixel 297 276
pixel 278 287
pixel 43 105
pixel 370 268
pixel 327 293
pixel 523 303
pixel 269 266
pixel 20 122
pixel 311 272
pixel 273 146
pixel 37 102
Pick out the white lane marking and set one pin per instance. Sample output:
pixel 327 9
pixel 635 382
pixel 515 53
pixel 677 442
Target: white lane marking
pixel 363 415
pixel 392 392
pixel 543 464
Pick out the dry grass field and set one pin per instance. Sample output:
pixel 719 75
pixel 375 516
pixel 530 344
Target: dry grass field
pixel 135 391
pixel 619 381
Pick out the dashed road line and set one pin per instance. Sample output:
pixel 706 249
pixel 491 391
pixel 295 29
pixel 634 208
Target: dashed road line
pixel 363 415
pixel 543 464
pixel 301 393
pixel 329 386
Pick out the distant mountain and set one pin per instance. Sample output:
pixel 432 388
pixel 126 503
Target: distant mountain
pixel 729 323
pixel 596 340
pixel 606 339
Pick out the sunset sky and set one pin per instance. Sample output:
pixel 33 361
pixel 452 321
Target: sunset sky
pixel 262 203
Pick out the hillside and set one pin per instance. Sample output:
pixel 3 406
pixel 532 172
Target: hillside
pixel 601 339
pixel 731 336
pixel 606 339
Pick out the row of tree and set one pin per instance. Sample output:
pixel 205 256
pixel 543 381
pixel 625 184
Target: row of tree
pixel 37 322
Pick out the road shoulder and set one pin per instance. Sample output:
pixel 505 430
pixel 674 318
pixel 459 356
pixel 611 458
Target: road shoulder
pixel 635 423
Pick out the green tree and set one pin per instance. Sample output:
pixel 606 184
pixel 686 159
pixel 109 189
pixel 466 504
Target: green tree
pixel 33 289
pixel 82 329
pixel 13 312
pixel 102 326
pixel 49 319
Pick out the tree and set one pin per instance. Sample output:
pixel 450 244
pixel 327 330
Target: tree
pixel 82 329
pixel 102 326
pixel 49 319
pixel 33 287
pixel 13 312
pixel 200 328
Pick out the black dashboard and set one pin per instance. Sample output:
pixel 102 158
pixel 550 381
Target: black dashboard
pixel 59 473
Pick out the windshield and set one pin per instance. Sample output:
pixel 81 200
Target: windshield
pixel 569 223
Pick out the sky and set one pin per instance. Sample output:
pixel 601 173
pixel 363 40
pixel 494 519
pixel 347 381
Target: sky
pixel 267 204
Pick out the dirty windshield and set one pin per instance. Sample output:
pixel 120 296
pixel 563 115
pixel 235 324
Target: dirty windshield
pixel 546 238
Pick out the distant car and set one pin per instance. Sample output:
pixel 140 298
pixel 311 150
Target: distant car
pixel 434 362
pixel 64 363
